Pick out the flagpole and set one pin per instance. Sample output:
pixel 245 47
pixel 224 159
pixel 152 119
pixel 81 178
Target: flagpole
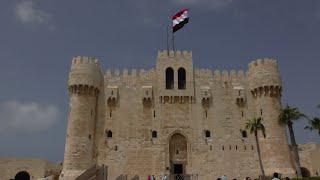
pixel 173 47
pixel 168 40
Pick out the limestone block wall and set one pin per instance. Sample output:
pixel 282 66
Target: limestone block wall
pixel 134 118
pixel 310 157
pixel 37 168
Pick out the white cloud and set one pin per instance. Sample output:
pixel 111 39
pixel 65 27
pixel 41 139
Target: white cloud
pixel 17 117
pixel 26 12
pixel 213 4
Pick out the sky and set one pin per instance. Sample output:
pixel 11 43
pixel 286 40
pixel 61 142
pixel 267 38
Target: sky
pixel 39 38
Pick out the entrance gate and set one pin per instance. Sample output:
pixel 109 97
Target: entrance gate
pixel 178 156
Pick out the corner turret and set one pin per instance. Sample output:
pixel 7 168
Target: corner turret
pixel 84 85
pixel 265 86
pixel 264 77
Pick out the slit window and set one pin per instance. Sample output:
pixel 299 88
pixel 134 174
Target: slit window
pixel 154 134
pixel 244 134
pixel 169 78
pixel 109 134
pixel 208 134
pixel 181 78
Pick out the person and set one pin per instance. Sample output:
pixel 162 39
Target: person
pixel 224 177
pixel 153 178
pixel 218 178
pixel 275 176
pixel 247 178
pixel 287 178
pixel 149 177
pixel 165 177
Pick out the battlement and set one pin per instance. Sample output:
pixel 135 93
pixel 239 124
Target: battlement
pixel 133 73
pixel 218 75
pixel 176 54
pixel 266 62
pixel 85 60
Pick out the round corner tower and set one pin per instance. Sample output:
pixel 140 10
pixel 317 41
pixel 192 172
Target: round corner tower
pixel 84 85
pixel 266 87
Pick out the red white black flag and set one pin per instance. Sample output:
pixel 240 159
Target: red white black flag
pixel 180 19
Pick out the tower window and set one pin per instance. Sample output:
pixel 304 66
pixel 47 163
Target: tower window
pixel 154 134
pixel 181 78
pixel 109 134
pixel 207 133
pixel 244 134
pixel 154 113
pixel 169 78
pixel 261 112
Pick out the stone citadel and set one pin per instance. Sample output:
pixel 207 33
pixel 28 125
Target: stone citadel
pixel 174 119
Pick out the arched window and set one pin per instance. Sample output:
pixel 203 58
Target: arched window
pixel 154 134
pixel 244 134
pixel 181 78
pixel 109 134
pixel 207 133
pixel 169 78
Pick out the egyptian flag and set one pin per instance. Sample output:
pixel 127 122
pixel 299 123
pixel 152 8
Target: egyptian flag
pixel 179 20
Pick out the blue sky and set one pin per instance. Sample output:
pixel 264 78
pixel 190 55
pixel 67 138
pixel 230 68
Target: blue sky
pixel 38 39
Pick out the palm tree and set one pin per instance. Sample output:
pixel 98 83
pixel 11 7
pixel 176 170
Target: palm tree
pixel 286 117
pixel 314 124
pixel 253 126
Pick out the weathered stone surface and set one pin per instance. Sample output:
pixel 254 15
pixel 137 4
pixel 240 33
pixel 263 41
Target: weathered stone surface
pixel 36 168
pixel 133 104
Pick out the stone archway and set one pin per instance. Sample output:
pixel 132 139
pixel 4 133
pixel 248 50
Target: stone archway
pixel 305 172
pixel 178 154
pixel 22 175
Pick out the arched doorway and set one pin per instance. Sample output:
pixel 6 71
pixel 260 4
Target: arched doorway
pixel 22 175
pixel 305 172
pixel 178 154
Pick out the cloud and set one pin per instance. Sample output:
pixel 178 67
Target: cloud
pixel 17 117
pixel 212 4
pixel 27 13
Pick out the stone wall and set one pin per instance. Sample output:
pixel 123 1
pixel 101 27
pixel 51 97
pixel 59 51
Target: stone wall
pixel 37 168
pixel 210 113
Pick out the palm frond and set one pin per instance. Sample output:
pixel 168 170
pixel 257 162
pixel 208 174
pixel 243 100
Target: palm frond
pixel 290 114
pixel 255 125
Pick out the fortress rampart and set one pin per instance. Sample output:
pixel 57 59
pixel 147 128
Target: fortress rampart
pixel 150 114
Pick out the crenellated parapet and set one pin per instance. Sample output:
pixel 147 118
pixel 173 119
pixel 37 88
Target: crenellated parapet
pixel 264 77
pixel 229 76
pixel 180 55
pixel 85 74
pixel 129 77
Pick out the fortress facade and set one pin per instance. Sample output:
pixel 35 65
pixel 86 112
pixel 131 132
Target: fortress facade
pixel 174 119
